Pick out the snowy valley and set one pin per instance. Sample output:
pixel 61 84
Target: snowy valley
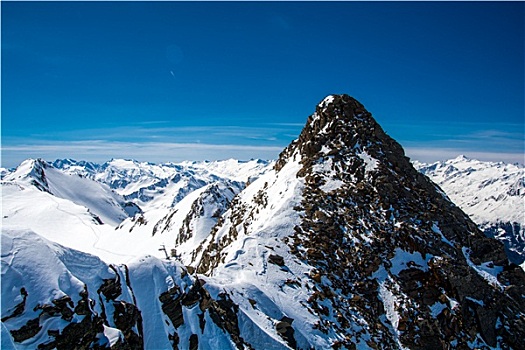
pixel 340 243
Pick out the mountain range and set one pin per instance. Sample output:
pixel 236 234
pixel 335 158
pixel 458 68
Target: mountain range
pixel 491 193
pixel 340 243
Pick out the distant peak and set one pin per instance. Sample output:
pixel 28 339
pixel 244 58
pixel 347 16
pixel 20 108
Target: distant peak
pixel 33 165
pixel 34 162
pixel 32 171
pixel 461 158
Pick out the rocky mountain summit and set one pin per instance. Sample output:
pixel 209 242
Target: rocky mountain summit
pixel 391 261
pixel 342 244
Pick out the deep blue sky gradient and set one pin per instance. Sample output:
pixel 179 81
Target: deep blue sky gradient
pixel 440 77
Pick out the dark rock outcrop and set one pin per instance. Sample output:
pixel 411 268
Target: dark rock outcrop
pixel 223 312
pixel 171 306
pixel 276 259
pixel 285 330
pixel 19 308
pixel 126 317
pixel 27 331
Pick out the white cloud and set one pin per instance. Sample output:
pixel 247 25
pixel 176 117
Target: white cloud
pixel 162 131
pixel 157 152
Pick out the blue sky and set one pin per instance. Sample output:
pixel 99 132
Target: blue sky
pixel 168 81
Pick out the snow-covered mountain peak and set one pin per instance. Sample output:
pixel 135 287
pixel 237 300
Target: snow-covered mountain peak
pixel 31 172
pixel 461 158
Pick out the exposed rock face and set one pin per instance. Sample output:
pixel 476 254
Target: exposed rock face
pixel 83 333
pixel 223 312
pixel 172 307
pixel 19 308
pixel 285 330
pixel 84 325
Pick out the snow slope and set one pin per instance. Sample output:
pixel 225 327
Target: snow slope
pixel 56 219
pixel 253 235
pixel 35 272
pixel 183 226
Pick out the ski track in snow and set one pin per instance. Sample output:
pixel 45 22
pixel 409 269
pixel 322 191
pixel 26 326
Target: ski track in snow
pixel 95 244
